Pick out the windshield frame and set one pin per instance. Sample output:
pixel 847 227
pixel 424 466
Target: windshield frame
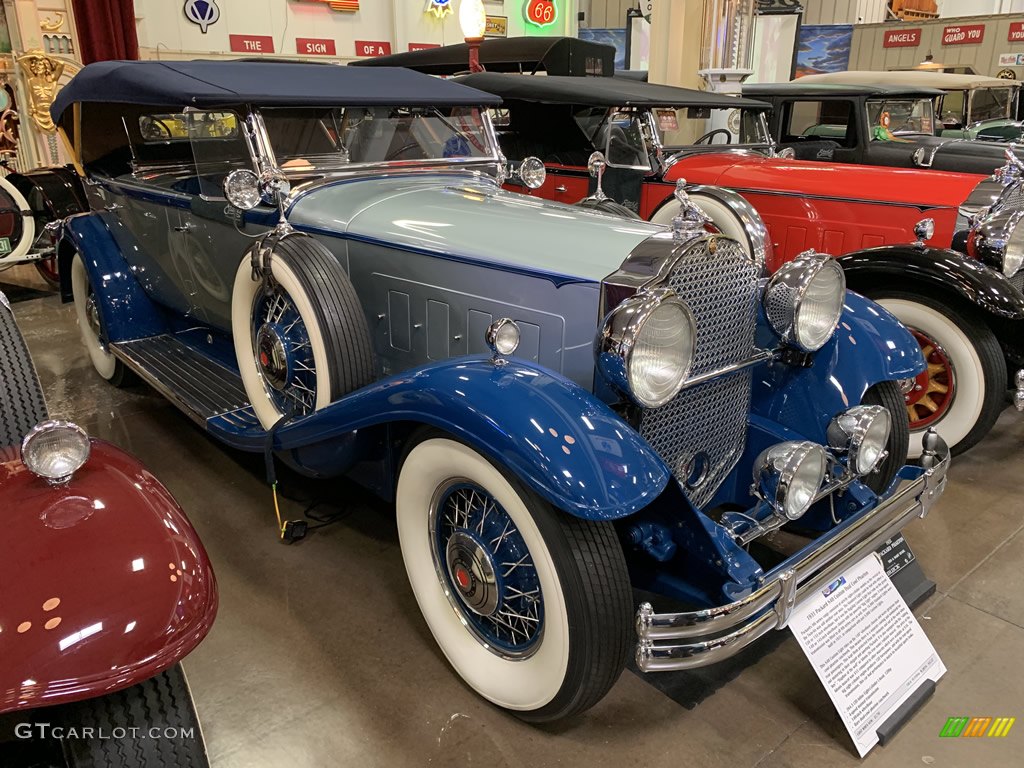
pixel 884 100
pixel 1008 112
pixel 761 122
pixel 265 159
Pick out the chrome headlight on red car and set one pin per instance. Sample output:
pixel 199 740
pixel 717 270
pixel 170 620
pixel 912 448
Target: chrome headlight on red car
pixel 55 450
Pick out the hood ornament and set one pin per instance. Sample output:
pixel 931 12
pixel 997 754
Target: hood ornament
pixel 690 221
pixel 1013 171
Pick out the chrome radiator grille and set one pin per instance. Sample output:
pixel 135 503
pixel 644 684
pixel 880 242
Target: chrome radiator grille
pixel 701 434
pixel 1012 197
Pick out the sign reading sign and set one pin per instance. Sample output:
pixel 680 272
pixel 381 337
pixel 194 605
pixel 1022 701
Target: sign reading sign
pixel 1016 34
pixel 963 34
pixel 902 38
pixel 251 43
pixel 373 48
pixel 540 13
pixel 422 46
pixel 497 26
pixel 312 46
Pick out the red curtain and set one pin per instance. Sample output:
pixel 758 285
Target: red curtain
pixel 106 29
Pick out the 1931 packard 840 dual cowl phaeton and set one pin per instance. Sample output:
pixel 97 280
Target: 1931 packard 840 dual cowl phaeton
pixel 321 261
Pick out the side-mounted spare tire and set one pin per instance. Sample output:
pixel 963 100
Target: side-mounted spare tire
pixel 21 398
pixel 607 205
pixel 299 329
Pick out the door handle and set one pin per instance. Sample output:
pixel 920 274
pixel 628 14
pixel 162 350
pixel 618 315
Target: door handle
pixel 561 188
pixel 148 215
pixel 113 207
pixel 183 228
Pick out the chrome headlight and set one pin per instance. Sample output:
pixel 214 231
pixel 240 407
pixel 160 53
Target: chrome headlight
pixel 55 450
pixel 789 475
pixel 646 347
pixel 804 300
pixel 998 240
pixel 863 433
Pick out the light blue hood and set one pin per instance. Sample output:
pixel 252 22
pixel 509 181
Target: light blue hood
pixel 472 218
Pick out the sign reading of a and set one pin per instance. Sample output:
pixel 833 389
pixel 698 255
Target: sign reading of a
pixel 963 34
pixel 902 38
pixel 373 48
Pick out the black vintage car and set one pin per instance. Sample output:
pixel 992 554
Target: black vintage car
pixel 892 125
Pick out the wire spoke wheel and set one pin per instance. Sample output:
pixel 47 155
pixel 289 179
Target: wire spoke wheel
pixel 284 352
pixel 490 576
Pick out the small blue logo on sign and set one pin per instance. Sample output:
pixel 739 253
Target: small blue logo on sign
pixel 202 12
pixel 833 586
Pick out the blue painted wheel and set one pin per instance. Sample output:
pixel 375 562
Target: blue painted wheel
pixel 491 577
pixel 284 353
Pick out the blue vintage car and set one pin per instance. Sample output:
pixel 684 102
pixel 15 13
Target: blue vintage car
pixel 320 262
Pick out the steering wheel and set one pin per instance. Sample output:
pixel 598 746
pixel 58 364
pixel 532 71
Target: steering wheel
pixel 711 134
pixel 402 150
pixel 154 129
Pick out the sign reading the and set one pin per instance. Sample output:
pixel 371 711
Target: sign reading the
pixel 312 46
pixel 963 34
pixel 205 12
pixel 540 13
pixel 1016 32
pixel 251 43
pixel 422 46
pixel 497 26
pixel 373 48
pixel 902 38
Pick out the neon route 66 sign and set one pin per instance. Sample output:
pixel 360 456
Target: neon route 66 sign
pixel 540 13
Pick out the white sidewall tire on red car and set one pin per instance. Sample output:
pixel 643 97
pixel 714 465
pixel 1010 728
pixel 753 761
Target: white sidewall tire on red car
pixel 568 670
pixel 978 369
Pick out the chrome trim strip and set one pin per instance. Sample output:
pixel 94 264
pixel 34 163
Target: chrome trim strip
pixel 829 198
pixel 759 356
pixel 715 634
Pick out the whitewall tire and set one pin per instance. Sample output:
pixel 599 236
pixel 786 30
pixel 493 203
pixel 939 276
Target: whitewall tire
pixel 87 313
pixel 963 391
pixel 450 502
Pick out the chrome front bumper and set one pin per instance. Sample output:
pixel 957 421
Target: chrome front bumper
pixel 1018 395
pixel 711 635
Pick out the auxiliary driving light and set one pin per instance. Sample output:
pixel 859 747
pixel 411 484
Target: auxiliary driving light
pixel 55 450
pixel 503 337
pixel 789 475
pixel 863 433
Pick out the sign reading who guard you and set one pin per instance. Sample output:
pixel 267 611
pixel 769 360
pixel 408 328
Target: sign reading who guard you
pixel 867 648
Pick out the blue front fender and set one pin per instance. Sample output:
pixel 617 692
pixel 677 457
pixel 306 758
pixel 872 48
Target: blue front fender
pixel 556 437
pixel 126 312
pixel 870 346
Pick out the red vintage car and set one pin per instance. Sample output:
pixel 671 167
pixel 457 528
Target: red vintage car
pixel 105 585
pixel 561 132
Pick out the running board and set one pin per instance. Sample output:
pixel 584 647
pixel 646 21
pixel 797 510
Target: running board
pixel 200 387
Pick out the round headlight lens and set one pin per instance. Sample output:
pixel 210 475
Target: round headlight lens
pixel 862 432
pixel 242 189
pixel 662 353
pixel 804 300
pixel 55 450
pixel 789 476
pixel 1013 259
pixel 647 345
pixel 533 173
pixel 503 336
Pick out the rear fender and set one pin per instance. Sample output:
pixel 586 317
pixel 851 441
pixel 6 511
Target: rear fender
pixel 907 266
pixel 126 311
pixel 870 346
pixel 559 439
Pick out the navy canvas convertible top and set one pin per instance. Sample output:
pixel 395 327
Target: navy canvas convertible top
pixel 224 83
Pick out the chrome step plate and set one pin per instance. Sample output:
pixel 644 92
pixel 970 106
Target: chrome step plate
pixel 196 384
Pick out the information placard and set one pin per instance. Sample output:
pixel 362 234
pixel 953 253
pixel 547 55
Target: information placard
pixel 867 648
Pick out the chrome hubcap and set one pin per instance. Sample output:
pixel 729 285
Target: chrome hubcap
pixel 471 569
pixel 273 356
pixel 92 314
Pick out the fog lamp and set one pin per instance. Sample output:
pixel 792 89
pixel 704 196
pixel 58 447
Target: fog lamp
pixel 863 433
pixel 55 450
pixel 789 475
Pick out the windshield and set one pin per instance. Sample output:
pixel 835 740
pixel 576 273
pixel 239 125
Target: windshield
pixel 900 116
pixel 990 103
pixel 688 126
pixel 333 138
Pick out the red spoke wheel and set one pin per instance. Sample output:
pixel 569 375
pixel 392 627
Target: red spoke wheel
pixel 934 388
